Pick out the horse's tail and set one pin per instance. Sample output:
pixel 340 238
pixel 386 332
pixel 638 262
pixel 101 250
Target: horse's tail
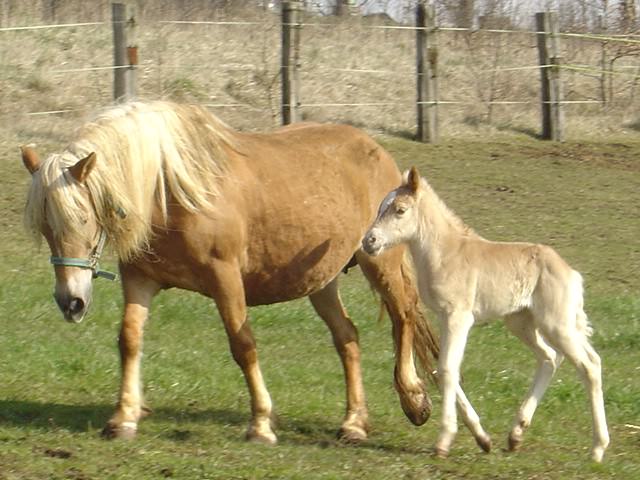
pixel 425 339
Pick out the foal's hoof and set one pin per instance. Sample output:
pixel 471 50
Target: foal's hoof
pixel 352 435
pixel 597 454
pixel 484 443
pixel 514 443
pixel 440 452
pixel 124 431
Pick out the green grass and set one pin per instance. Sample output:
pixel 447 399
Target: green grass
pixel 59 382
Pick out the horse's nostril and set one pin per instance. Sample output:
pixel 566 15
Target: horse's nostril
pixel 372 239
pixel 76 306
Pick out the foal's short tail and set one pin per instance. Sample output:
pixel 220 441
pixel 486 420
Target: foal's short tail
pixel 577 300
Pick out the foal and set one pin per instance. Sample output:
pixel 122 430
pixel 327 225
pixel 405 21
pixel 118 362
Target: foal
pixel 463 278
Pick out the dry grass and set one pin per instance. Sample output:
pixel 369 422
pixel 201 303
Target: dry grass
pixel 239 65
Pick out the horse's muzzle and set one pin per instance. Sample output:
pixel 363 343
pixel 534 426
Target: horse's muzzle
pixel 73 308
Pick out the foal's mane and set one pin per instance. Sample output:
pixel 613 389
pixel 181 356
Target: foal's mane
pixel 148 155
pixel 433 202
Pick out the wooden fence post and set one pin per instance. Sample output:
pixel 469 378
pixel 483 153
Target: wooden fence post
pixel 427 74
pixel 125 55
pixel 551 86
pixel 289 68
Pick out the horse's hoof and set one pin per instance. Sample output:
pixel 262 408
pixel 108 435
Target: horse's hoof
pixel 352 435
pixel 418 412
pixel 263 439
pixel 484 443
pixel 267 438
pixel 124 431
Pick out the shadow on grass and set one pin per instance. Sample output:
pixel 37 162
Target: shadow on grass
pixel 82 418
pixel 51 416
pixel 77 418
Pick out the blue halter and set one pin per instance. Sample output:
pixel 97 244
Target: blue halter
pixel 90 263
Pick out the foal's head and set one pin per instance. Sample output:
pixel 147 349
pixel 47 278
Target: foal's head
pixel 397 218
pixel 59 207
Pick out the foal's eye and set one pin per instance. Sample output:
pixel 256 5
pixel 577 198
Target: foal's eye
pixel 400 210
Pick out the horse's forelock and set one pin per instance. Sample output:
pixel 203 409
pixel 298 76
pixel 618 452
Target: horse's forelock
pixel 55 200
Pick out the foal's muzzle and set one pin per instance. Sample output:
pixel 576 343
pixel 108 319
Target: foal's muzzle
pixel 371 243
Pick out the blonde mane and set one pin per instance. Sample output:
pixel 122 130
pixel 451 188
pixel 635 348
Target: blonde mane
pixel 148 155
pixel 434 203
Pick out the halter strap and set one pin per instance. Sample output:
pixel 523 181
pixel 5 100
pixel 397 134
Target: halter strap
pixel 90 263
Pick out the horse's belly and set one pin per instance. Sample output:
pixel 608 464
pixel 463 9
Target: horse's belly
pixel 298 272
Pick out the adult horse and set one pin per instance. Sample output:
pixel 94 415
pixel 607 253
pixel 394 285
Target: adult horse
pixel 244 218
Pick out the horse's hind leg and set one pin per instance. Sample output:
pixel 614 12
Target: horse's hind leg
pixel 400 296
pixel 548 360
pixel 329 307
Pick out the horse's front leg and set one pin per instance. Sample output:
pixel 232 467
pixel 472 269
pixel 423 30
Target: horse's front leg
pixel 138 293
pixel 328 305
pixel 228 293
pixel 454 333
pixel 387 274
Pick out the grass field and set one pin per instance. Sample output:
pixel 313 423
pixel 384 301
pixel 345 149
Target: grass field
pixel 58 382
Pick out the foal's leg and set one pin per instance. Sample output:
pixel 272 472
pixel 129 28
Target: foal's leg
pixel 575 346
pixel 138 293
pixel 228 293
pixel 471 419
pixel 455 330
pixel 328 305
pixel 385 274
pixel 523 327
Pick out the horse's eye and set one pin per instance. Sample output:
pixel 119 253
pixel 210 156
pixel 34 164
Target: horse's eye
pixel 400 210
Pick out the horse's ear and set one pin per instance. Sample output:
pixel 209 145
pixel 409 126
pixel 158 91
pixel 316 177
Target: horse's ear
pixel 413 180
pixel 30 159
pixel 83 167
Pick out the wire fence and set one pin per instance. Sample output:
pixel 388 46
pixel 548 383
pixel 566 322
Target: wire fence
pixel 627 71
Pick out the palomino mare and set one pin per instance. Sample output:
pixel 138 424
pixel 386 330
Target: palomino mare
pixel 246 219
pixel 465 278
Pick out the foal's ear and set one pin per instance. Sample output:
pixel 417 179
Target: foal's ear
pixel 83 167
pixel 30 159
pixel 413 180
